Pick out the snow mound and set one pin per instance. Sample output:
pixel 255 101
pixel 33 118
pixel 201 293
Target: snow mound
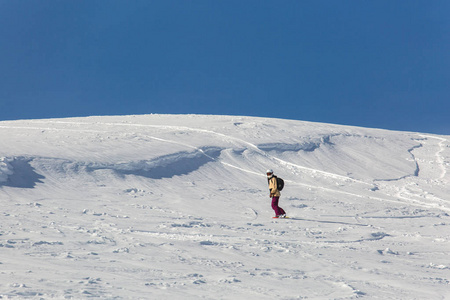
pixel 18 172
pixel 5 169
pixel 167 166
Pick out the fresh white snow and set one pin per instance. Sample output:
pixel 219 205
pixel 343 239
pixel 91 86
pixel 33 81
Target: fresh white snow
pixel 177 207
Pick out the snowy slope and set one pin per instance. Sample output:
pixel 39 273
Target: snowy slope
pixel 177 207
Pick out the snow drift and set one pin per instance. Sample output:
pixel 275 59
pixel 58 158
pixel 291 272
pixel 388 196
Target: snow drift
pixel 177 206
pixel 5 169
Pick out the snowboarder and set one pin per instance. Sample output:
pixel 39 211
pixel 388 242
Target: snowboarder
pixel 275 194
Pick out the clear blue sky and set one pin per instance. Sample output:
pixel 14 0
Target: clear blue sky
pixel 379 63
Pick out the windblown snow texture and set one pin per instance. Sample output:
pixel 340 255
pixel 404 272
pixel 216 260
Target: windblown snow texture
pixel 177 206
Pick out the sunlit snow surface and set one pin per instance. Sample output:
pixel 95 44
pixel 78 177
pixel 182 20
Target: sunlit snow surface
pixel 177 207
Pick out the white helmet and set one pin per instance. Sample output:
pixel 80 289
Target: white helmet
pixel 269 173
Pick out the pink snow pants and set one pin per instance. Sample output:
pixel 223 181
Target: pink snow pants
pixel 278 210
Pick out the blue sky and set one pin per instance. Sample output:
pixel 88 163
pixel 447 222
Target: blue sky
pixel 380 64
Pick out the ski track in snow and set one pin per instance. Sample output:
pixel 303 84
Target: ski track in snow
pixel 439 159
pixel 90 230
pixel 411 191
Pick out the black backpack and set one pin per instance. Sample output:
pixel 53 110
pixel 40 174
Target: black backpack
pixel 280 183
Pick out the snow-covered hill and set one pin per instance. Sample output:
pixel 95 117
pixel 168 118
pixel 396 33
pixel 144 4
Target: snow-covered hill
pixel 177 207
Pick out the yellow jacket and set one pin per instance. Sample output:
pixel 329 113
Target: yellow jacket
pixel 273 187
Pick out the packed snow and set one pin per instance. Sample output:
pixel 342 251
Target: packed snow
pixel 178 207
